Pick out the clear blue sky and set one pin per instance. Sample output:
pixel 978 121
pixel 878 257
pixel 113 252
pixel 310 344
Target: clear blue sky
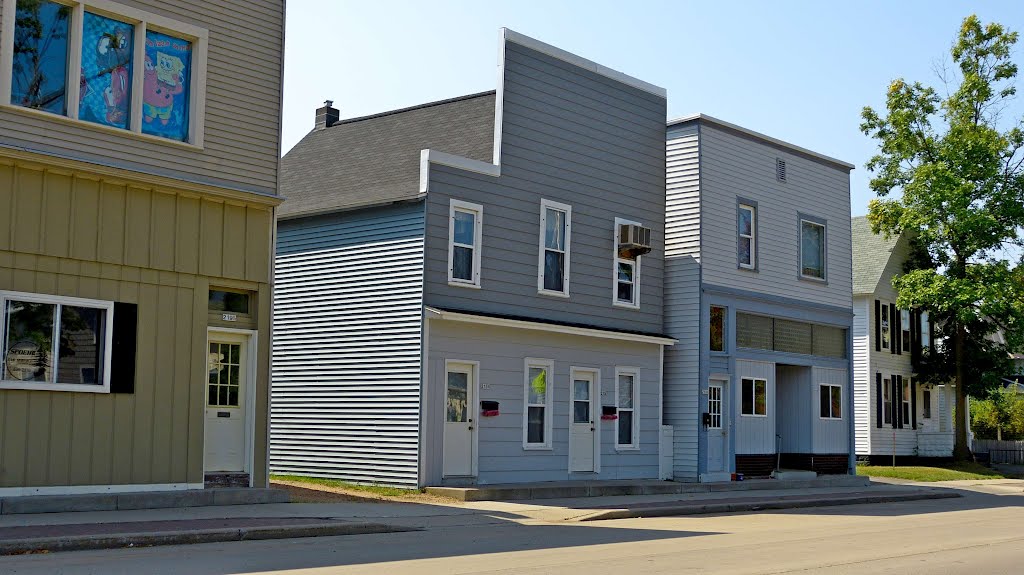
pixel 798 71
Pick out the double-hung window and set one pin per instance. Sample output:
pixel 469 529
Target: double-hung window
pixel 538 392
pixel 746 235
pixel 905 402
pixel 812 248
pixel 830 398
pixel 905 329
pixel 926 402
pixel 555 235
pixel 754 397
pixel 55 343
pixel 887 401
pixel 626 401
pixel 104 64
pixel 885 327
pixel 465 227
pixel 626 286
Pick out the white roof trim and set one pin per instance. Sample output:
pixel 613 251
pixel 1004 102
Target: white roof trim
pixel 433 313
pixel 760 136
pixel 571 58
pixel 428 157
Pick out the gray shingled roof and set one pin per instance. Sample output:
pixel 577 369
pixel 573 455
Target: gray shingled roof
pixel 870 255
pixel 376 159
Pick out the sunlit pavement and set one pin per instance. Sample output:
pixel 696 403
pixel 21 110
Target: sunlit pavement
pixel 980 533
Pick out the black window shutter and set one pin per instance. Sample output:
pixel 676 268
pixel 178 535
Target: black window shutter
pixel 913 404
pixel 896 407
pixel 878 325
pixel 122 355
pixel 879 408
pixel 892 332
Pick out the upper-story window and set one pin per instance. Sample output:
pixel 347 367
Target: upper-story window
pixel 105 64
pixel 812 248
pixel 885 329
pixel 905 326
pixel 626 273
pixel 465 227
pixel 926 331
pixel 746 214
pixel 555 236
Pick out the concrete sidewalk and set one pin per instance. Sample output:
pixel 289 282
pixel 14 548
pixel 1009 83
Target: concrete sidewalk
pixel 143 527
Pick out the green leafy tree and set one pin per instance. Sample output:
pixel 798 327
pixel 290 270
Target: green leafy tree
pixel 948 172
pixel 1000 416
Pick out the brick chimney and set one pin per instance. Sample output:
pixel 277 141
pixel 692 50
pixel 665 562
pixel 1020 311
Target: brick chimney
pixel 326 116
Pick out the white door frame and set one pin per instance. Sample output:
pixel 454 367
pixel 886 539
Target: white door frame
pixel 595 396
pixel 250 396
pixel 727 405
pixel 473 411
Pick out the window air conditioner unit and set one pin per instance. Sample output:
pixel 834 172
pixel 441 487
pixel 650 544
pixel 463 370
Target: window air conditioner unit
pixel 634 240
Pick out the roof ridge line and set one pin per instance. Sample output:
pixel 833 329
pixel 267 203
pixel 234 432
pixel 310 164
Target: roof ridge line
pixel 412 108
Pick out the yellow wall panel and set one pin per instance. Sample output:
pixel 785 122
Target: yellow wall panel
pixel 27 210
pixel 85 220
pixel 57 207
pixel 137 222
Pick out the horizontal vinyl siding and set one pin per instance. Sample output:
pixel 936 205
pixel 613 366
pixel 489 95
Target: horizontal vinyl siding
pixel 243 104
pixel 863 378
pixel 347 344
pixel 733 166
pixel 574 137
pixel 501 353
pixel 682 297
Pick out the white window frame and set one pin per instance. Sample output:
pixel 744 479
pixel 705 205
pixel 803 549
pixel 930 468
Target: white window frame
pixel 926 404
pixel 753 236
pixel 824 248
pixel 616 260
pixel 478 213
pixel 905 319
pixel 635 373
pixel 842 400
pixel 545 205
pixel 753 403
pixel 549 381
pixel 142 21
pixel 108 340
pixel 725 329
pixel 906 403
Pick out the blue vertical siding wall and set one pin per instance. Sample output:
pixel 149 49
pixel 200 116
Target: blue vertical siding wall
pixel 346 353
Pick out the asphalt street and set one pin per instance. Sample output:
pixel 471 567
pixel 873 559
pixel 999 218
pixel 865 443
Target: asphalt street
pixel 977 535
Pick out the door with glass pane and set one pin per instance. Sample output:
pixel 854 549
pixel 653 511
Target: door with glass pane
pixel 716 429
pixel 226 388
pixel 459 446
pixel 582 431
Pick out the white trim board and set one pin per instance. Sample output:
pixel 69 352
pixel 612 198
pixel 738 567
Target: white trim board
pixel 91 489
pixel 534 44
pixel 437 314
pixel 428 156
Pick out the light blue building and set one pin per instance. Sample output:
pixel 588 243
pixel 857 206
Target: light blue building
pixel 758 292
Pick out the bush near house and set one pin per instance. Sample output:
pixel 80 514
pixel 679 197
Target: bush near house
pixel 1000 416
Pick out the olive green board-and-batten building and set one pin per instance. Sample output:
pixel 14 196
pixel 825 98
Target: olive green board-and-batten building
pixel 139 145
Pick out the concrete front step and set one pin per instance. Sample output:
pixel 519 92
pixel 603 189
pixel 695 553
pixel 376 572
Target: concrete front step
pixel 569 489
pixel 140 500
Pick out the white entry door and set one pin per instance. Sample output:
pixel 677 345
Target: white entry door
pixel 459 445
pixel 582 431
pixel 228 383
pixel 717 447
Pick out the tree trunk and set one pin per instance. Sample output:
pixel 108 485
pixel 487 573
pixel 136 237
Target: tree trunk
pixel 961 450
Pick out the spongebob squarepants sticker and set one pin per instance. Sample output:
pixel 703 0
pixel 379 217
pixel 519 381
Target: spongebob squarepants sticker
pixel 165 86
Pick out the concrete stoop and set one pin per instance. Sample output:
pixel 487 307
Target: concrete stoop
pixel 140 500
pixel 570 489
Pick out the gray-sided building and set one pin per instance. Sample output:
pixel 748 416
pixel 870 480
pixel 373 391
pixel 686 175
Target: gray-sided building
pixel 470 291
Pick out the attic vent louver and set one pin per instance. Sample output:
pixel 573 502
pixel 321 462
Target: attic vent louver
pixel 780 169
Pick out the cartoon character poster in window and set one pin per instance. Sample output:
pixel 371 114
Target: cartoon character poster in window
pixel 106 77
pixel 165 86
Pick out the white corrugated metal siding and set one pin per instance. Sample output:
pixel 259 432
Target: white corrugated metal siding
pixel 347 342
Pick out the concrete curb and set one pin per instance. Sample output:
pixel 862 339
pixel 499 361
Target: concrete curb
pixel 762 505
pixel 120 540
